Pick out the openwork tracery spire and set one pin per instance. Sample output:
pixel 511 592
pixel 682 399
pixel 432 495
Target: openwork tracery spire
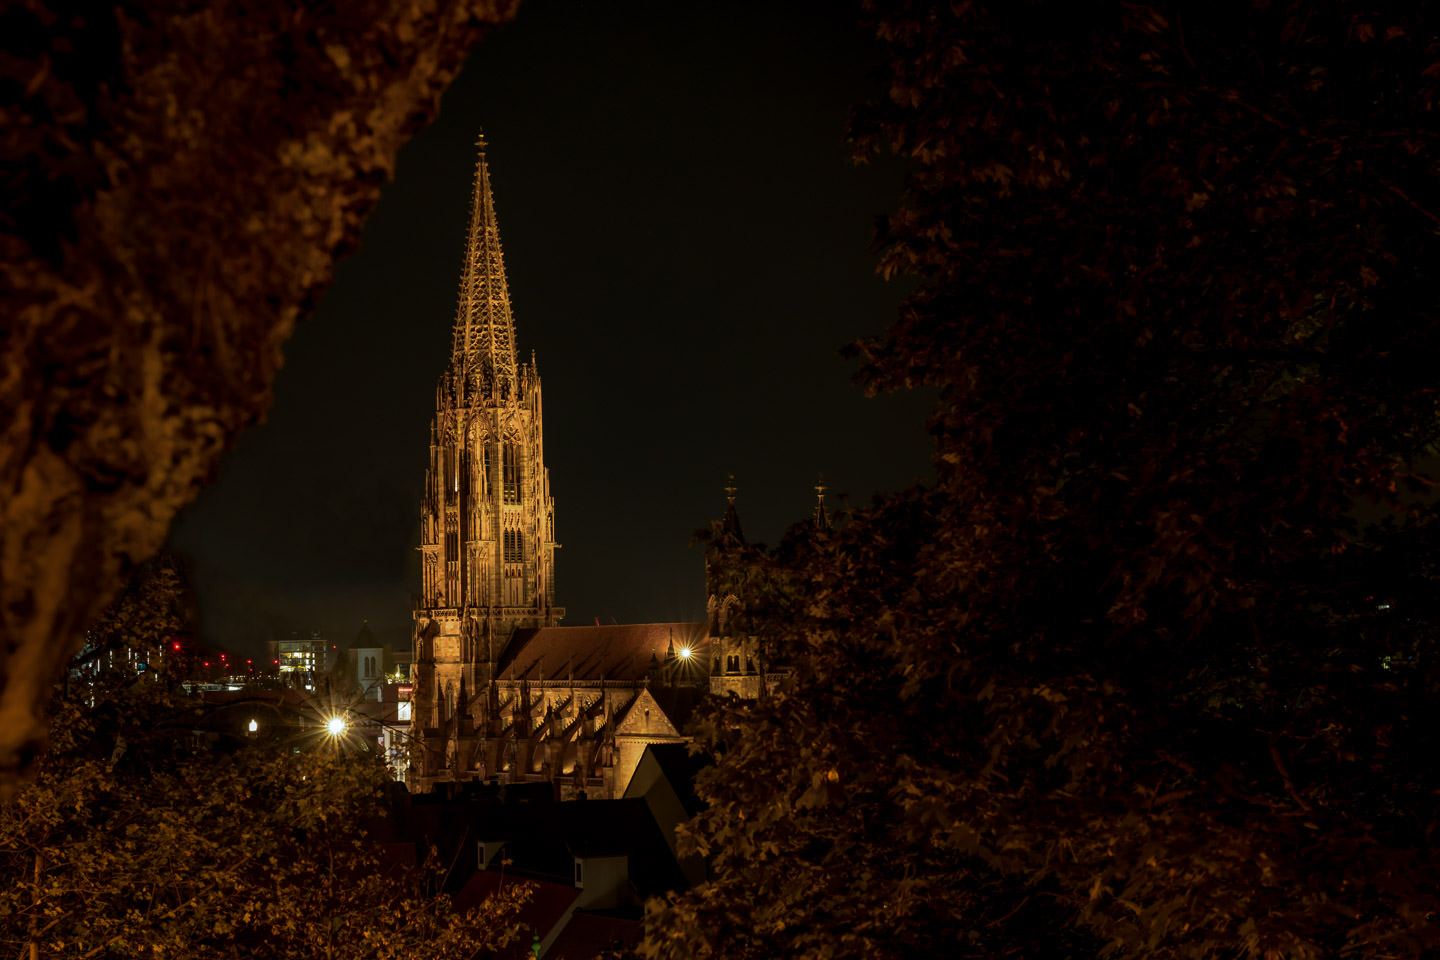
pixel 487 519
pixel 483 357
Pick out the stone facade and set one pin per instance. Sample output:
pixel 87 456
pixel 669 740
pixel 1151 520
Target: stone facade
pixel 501 692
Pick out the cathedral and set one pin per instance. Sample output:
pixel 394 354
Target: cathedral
pixel 502 693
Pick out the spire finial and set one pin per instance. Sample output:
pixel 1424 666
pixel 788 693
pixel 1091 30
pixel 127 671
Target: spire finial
pixel 730 490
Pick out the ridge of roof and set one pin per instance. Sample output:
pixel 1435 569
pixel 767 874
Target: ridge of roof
pixel 589 653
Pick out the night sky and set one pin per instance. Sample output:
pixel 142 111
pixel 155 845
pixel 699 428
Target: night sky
pixel 687 250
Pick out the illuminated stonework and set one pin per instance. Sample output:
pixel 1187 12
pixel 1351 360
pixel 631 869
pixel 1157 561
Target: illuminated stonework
pixel 487 520
pixel 502 693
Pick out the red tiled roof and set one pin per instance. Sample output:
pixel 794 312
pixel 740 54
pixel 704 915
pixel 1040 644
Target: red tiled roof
pixel 547 904
pixel 617 652
pixel 396 858
pixel 588 933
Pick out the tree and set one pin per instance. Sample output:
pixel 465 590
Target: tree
pixel 180 178
pixel 137 839
pixel 1151 666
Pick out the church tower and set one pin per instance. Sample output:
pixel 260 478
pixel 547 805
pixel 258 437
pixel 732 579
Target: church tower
pixel 487 518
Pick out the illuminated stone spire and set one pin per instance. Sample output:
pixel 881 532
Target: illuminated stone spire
pixel 483 356
pixel 487 521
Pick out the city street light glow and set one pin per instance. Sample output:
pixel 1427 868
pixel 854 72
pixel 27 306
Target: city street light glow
pixel 336 726
pixel 686 653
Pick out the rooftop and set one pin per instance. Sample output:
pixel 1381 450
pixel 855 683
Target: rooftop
pixel 620 652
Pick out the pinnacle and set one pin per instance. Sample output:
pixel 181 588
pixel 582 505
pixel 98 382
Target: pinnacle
pixel 729 528
pixel 822 516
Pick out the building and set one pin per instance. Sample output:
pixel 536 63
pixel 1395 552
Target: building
pixel 590 867
pixel 300 658
pixel 501 691
pixel 365 658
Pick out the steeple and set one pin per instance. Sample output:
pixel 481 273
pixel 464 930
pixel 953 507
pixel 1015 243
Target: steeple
pixel 487 524
pixel 822 517
pixel 730 525
pixel 483 357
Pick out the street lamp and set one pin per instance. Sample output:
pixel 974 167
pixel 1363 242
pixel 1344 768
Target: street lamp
pixel 335 725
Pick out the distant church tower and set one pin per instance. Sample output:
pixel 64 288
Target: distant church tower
pixel 487 518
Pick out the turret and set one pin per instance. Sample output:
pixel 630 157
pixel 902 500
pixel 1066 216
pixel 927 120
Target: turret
pixel 822 517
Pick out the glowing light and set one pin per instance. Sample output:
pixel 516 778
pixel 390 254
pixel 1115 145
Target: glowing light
pixel 254 726
pixel 335 725
pixel 686 653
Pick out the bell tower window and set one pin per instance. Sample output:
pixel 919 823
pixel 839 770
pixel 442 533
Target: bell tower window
pixel 514 547
pixel 510 464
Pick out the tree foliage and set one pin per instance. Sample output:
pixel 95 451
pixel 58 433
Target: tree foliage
pixel 179 179
pixel 138 839
pixel 1150 669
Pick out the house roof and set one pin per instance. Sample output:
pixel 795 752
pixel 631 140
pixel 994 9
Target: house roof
pixel 397 858
pixel 285 697
pixel 588 933
pixel 679 767
pixel 546 906
pixel 620 652
pixel 542 839
pixel 365 639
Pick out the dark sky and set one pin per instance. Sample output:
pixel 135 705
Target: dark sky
pixel 687 249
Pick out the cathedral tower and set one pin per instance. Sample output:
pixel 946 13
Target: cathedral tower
pixel 487 518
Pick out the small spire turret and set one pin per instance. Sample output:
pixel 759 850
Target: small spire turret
pixel 730 523
pixel 822 517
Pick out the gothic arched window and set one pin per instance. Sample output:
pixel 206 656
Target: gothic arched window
pixel 510 466
pixel 514 547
